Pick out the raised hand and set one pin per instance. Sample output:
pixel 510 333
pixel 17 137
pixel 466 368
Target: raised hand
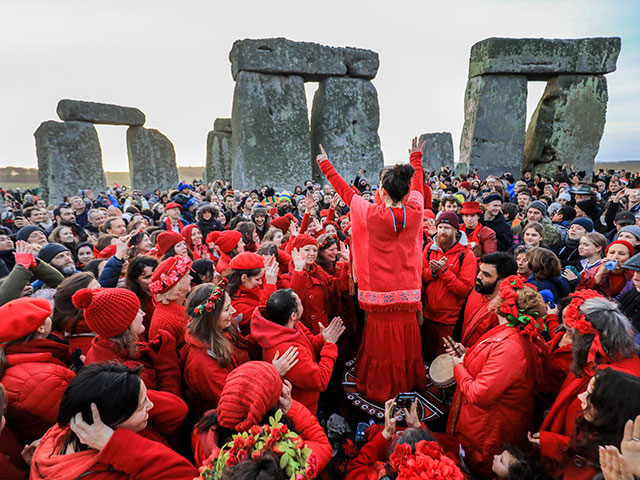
pixel 322 156
pixel 613 464
pixel 332 333
pixel 335 201
pixel 299 261
pixel 24 247
pixel 285 400
pixel 389 419
pixel 271 270
pixel 96 435
pixel 309 203
pixel 415 147
pixel 411 415
pixel 630 445
pixel 285 362
pixel 344 252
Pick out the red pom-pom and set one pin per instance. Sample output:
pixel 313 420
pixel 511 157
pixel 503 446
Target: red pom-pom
pixel 82 298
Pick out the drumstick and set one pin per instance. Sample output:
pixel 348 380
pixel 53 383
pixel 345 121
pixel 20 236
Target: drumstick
pixel 448 341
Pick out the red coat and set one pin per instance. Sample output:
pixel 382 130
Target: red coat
pixel 304 423
pixel 34 381
pixel 309 376
pixel 318 292
pixel 493 403
pixel 158 358
pixel 126 456
pixel 559 365
pixel 245 302
pixel 171 317
pixel 223 262
pixel 478 320
pixel 444 294
pixel 559 423
pixel 12 464
pixel 203 376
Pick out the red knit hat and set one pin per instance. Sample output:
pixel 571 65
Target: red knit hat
pixel 250 391
pixel 166 240
pixel 212 237
pixel 20 317
pixel 106 252
pixel 428 213
pixel 621 242
pixel 247 261
pixel 169 272
pixel 171 205
pixel 228 240
pixel 449 218
pixel 107 311
pixel 303 240
pixel 283 223
pixel 466 185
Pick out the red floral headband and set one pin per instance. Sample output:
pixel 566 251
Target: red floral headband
pixel 522 321
pixel 573 318
pixel 216 295
pixel 173 276
pixel 326 239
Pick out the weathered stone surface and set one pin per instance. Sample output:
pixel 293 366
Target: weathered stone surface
pixel 311 61
pixel 344 119
pixel 101 113
pixel 222 125
pixel 69 159
pixel 271 143
pixel 567 124
pixel 495 109
pixel 540 58
pixel 218 166
pixel 152 160
pixel 437 151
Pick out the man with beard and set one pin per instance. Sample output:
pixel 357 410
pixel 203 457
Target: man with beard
pixel 448 272
pixel 64 216
pixel 58 256
pixel 475 317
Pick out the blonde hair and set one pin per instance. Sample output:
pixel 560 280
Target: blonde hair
pixel 169 296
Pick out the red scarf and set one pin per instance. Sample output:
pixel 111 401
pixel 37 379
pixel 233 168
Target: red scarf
pixel 167 222
pixel 473 236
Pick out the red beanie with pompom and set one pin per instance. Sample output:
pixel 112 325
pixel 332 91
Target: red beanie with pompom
pixel 249 392
pixel 228 240
pixel 107 311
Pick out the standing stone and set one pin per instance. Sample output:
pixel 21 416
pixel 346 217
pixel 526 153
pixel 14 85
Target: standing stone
pixel 101 113
pixel 152 160
pixel 495 109
pixel 69 159
pixel 437 152
pixel 270 141
pixel 218 166
pixel 222 125
pixel 345 119
pixel 567 124
pixel 541 58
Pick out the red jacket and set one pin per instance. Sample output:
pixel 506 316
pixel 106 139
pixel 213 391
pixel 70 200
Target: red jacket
pixel 484 239
pixel 305 424
pixel 444 294
pixel 559 365
pixel 171 317
pixel 34 381
pixel 223 262
pixel 478 320
pixel 494 397
pixel 318 292
pixel 309 376
pixel 158 358
pixel 12 464
pixel 245 302
pixel 203 376
pixel 126 456
pixel 559 423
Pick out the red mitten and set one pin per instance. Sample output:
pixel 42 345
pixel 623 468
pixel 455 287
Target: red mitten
pixel 26 260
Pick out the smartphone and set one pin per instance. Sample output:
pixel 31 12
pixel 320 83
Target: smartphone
pixel 404 400
pixel 360 431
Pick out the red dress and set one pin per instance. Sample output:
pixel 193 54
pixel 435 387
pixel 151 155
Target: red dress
pixel 386 245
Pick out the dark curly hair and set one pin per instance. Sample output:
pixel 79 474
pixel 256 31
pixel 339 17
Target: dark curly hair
pixel 396 181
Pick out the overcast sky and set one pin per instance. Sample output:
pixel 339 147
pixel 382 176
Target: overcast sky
pixel 170 59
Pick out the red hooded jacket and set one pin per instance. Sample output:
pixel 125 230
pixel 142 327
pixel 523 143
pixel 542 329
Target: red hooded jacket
pixel 494 397
pixel 309 376
pixel 34 381
pixel 245 302
pixel 478 320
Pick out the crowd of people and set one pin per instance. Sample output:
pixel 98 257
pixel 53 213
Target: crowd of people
pixel 203 331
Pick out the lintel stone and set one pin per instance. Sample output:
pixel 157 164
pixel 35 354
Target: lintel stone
pixel 99 113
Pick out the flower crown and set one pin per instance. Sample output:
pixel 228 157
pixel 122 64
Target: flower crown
pixel 326 239
pixel 173 276
pixel 296 458
pixel 216 295
pixel 574 319
pixel 525 322
pixel 428 461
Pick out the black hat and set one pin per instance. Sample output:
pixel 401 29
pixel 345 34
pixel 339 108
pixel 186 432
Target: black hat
pixel 50 250
pixel 492 197
pixel 625 218
pixel 25 232
pixel 633 263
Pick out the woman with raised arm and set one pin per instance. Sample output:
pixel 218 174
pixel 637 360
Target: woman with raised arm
pixel 387 246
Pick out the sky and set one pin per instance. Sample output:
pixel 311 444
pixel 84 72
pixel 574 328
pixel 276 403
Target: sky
pixel 170 59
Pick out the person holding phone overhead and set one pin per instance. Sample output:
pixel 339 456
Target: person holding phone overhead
pixel 387 240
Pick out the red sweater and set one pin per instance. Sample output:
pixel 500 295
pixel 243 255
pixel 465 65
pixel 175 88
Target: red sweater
pixel 309 376
pixel 245 302
pixel 171 317
pixel 386 244
pixel 126 456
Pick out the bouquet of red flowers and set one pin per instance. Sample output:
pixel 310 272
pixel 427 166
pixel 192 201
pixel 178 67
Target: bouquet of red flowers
pixel 428 463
